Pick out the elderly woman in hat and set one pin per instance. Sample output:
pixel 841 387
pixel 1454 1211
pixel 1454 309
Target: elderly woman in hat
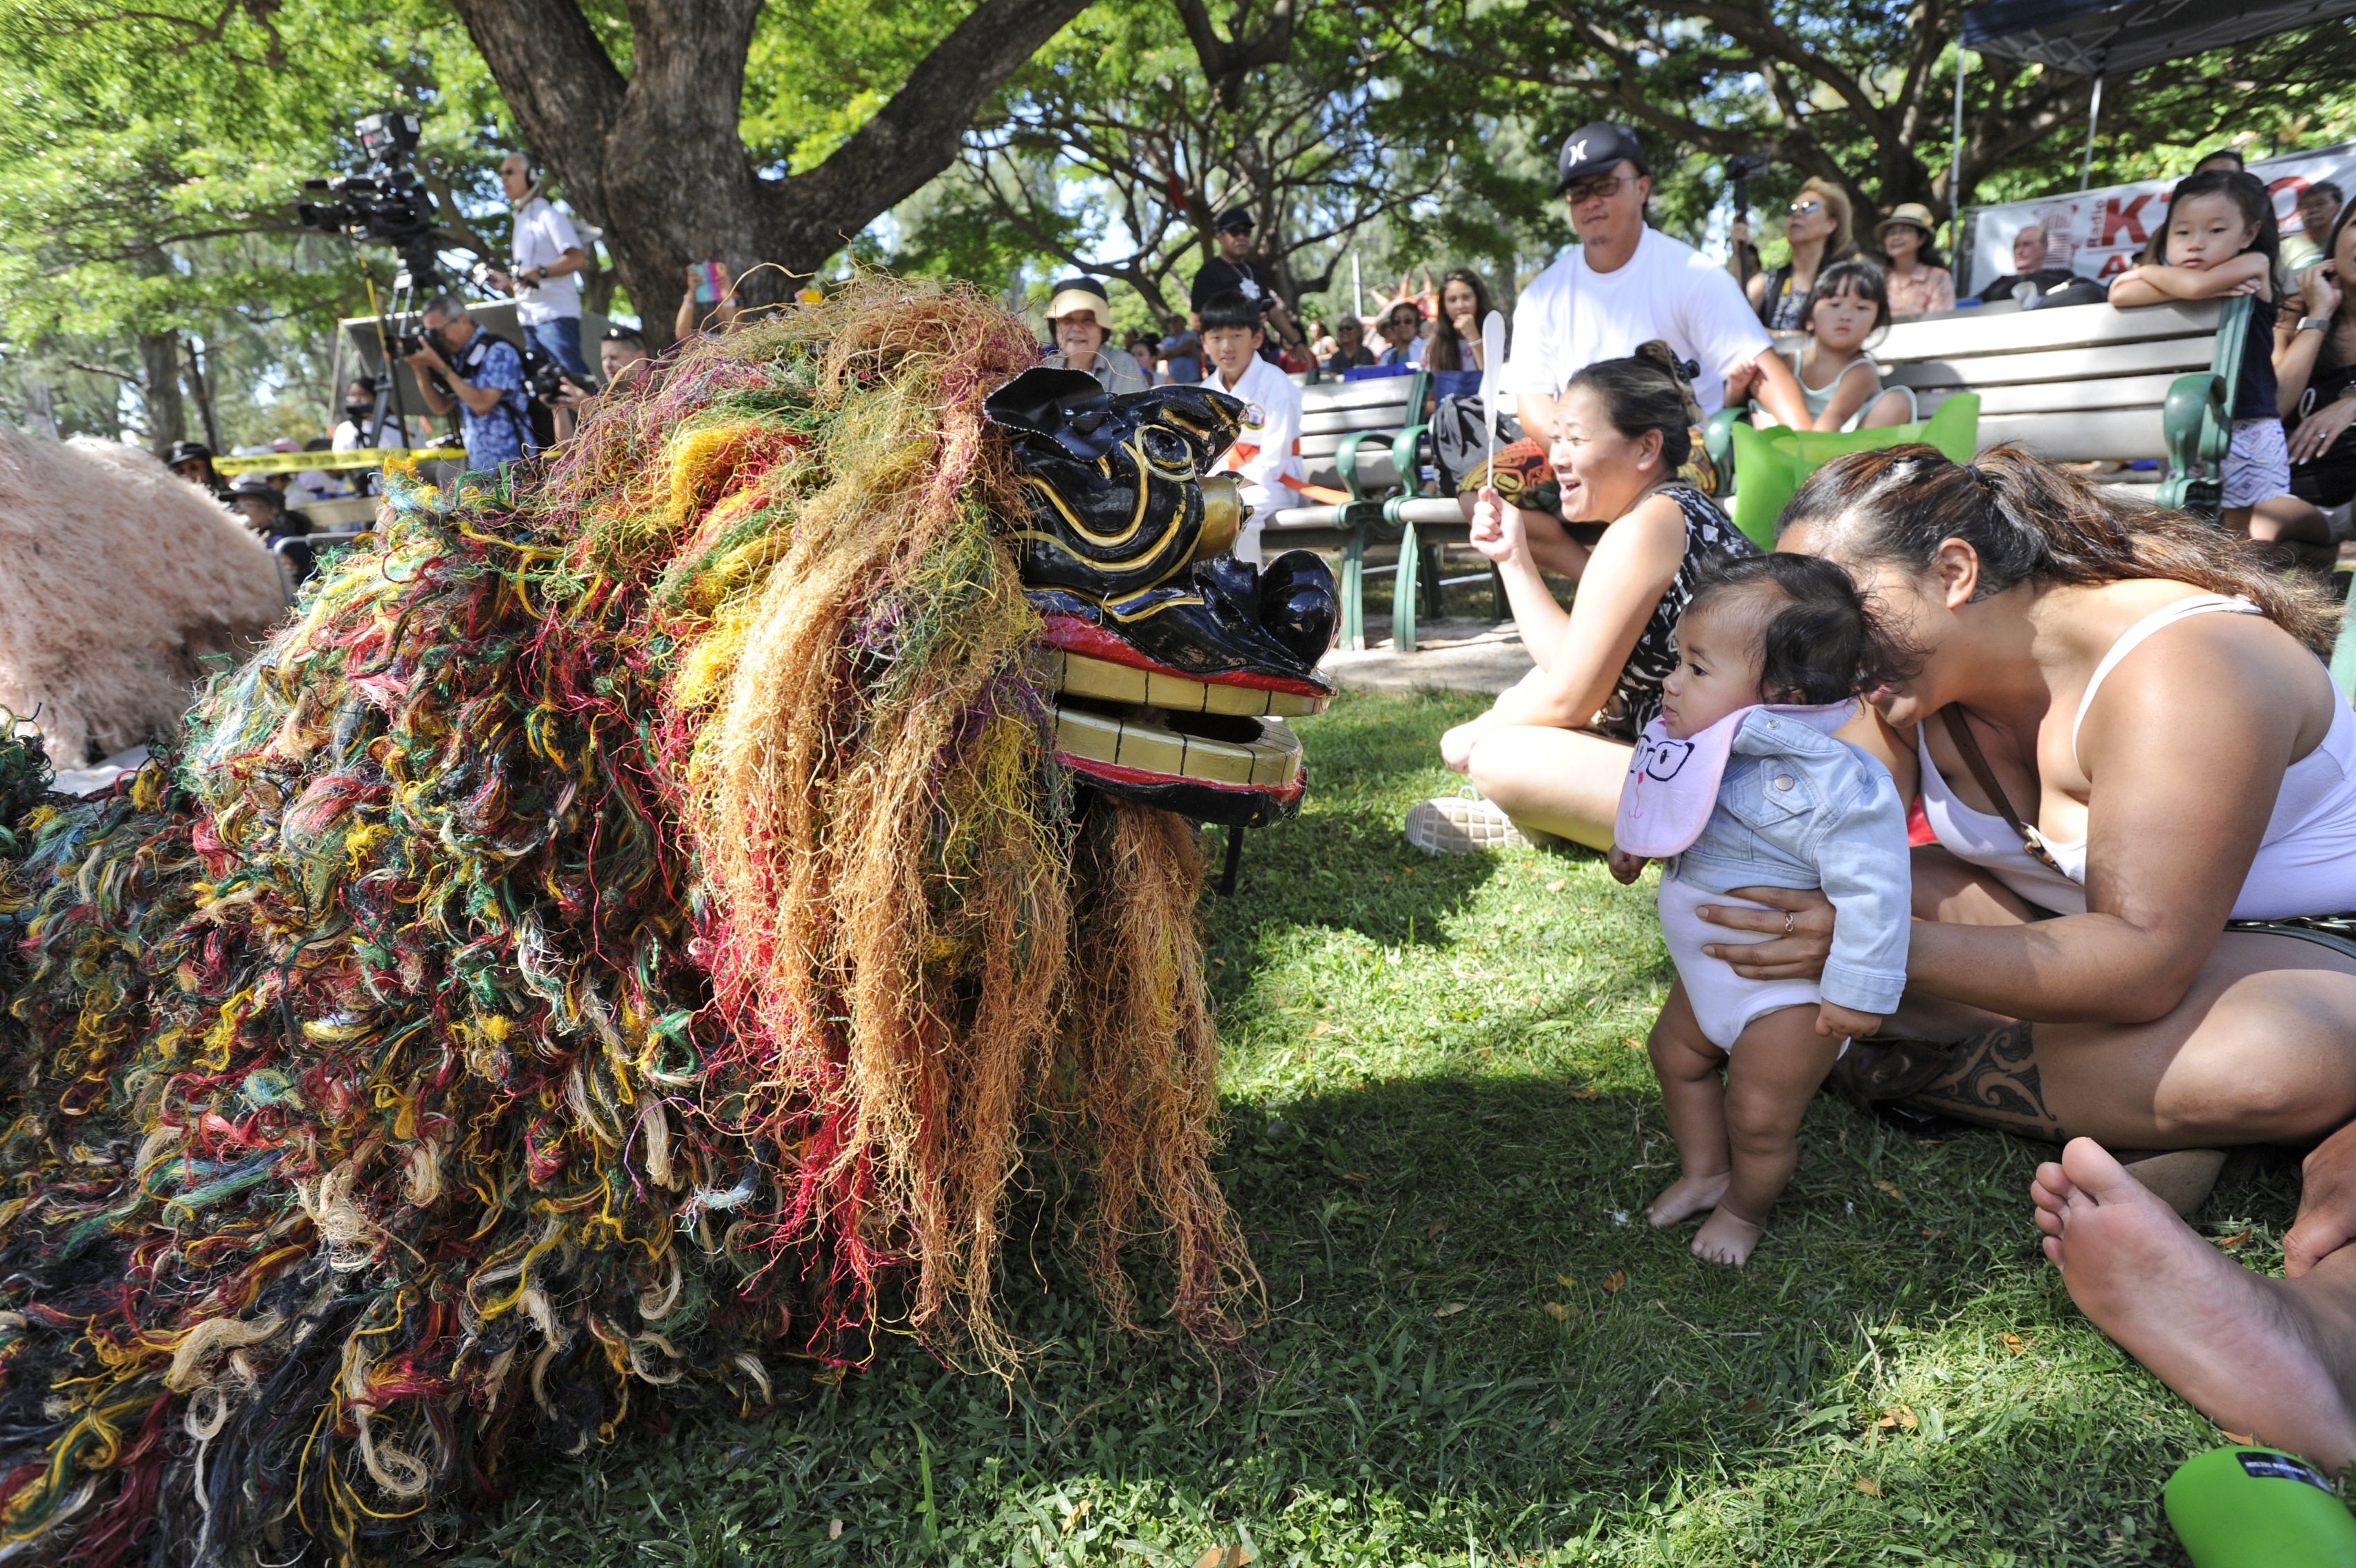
pixel 1081 316
pixel 1919 281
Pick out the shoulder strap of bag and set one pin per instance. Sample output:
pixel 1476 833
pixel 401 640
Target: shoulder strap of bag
pixel 1960 731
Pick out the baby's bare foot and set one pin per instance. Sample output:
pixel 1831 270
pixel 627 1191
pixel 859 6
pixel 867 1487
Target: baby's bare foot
pixel 1683 1199
pixel 1725 1237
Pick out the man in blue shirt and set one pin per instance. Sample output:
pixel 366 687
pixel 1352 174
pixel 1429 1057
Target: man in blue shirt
pixel 484 380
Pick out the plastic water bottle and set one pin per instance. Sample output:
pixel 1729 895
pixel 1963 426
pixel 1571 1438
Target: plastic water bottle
pixel 2255 1507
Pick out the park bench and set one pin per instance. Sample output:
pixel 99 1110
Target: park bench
pixel 2089 383
pixel 1366 438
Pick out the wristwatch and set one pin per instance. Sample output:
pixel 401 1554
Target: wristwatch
pixel 2315 323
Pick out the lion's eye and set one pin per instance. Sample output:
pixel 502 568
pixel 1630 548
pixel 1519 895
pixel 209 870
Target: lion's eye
pixel 1167 451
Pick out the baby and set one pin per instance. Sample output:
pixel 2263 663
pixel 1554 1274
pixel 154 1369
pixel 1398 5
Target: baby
pixel 1739 783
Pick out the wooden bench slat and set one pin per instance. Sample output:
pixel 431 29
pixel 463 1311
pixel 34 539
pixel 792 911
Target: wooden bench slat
pixel 1328 395
pixel 2103 434
pixel 1378 416
pixel 2069 397
pixel 2074 365
pixel 1374 468
pixel 2029 331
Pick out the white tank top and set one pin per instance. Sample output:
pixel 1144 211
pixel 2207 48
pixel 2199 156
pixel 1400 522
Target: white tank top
pixel 2306 865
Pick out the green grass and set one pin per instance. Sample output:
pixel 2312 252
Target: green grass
pixel 1442 1134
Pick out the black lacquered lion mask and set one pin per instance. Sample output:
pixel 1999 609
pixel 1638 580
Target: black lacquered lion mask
pixel 1175 663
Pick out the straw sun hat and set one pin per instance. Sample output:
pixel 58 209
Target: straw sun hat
pixel 1912 212
pixel 1074 296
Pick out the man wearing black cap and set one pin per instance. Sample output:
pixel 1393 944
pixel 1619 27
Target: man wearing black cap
pixel 193 461
pixel 1626 282
pixel 1230 271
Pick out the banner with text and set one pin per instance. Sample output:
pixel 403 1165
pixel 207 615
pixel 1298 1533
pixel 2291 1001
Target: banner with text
pixel 2097 233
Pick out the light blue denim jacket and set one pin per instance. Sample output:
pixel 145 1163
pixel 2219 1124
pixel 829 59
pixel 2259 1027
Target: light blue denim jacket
pixel 1799 808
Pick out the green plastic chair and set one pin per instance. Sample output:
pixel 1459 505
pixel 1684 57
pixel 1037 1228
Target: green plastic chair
pixel 1770 465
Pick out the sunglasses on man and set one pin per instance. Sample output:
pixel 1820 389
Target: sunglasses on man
pixel 1604 188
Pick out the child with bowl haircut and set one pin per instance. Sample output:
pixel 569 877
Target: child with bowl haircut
pixel 1739 783
pixel 1264 455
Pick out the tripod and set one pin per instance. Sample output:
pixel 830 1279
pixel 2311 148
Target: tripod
pixel 420 277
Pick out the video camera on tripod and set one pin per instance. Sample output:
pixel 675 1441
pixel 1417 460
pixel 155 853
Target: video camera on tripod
pixel 386 206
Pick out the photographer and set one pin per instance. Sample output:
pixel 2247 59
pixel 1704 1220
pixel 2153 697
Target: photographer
pixel 546 279
pixel 460 365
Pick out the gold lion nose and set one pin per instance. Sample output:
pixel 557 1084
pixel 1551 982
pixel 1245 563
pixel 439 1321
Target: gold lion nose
pixel 1223 515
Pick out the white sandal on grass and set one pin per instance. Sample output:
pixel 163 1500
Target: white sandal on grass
pixel 1461 823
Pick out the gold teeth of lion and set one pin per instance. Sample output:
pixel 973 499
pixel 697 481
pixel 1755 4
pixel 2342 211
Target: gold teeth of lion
pixel 1271 762
pixel 1081 676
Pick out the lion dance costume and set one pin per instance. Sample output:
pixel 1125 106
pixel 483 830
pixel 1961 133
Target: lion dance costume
pixel 620 940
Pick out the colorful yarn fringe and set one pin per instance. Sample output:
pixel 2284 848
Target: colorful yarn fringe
pixel 616 944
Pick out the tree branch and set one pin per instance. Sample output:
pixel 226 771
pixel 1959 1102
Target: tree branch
pixel 1226 64
pixel 808 217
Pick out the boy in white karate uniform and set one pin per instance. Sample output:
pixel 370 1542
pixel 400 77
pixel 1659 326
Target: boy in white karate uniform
pixel 1265 454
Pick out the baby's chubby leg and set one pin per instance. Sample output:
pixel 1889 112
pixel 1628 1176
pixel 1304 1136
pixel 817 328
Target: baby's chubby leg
pixel 1777 1064
pixel 1686 1064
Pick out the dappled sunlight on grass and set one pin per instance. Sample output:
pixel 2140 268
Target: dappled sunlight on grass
pixel 1441 1133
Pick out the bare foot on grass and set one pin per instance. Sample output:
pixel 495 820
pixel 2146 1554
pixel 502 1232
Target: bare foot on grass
pixel 1687 1197
pixel 2254 1354
pixel 1725 1237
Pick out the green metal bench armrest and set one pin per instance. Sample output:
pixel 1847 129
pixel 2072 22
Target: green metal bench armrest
pixel 1717 437
pixel 1410 440
pixel 2232 333
pixel 2190 422
pixel 2197 420
pixel 1345 458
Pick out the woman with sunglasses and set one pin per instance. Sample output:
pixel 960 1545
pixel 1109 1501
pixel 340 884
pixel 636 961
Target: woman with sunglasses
pixel 1816 226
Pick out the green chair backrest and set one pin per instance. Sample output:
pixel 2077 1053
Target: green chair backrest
pixel 1770 465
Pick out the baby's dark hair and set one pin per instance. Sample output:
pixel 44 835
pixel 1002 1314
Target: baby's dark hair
pixel 1823 642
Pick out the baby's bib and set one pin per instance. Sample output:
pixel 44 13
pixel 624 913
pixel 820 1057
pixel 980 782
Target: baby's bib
pixel 1672 785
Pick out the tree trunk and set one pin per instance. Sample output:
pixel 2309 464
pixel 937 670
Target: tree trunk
pixel 159 359
pixel 200 388
pixel 656 161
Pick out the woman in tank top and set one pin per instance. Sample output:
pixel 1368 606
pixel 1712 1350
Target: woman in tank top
pixel 1552 753
pixel 2126 738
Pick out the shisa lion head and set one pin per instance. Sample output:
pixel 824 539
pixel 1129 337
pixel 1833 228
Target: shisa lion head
pixel 1174 664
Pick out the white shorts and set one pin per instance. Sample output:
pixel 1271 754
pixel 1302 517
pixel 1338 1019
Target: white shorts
pixel 1722 999
pixel 2257 463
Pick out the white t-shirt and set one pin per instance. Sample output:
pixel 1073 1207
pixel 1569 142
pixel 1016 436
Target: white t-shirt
pixel 1267 452
pixel 542 235
pixel 1570 317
